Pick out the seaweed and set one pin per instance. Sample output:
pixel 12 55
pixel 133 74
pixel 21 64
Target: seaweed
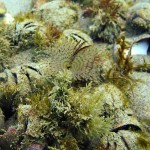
pixel 7 48
pixel 63 112
pixel 111 10
pixel 20 17
pixel 119 74
pixel 145 67
pixel 143 140
pixel 50 34
pixel 125 64
pixel 106 24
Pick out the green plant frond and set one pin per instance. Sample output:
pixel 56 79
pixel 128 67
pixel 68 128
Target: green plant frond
pixel 20 17
pixel 142 67
pixel 69 143
pixel 68 116
pixel 144 141
pixel 40 102
pixel 9 90
pixel 98 127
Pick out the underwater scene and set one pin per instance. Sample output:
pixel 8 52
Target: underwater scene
pixel 74 75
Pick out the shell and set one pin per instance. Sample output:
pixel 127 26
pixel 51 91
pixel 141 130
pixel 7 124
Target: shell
pixel 137 38
pixel 140 59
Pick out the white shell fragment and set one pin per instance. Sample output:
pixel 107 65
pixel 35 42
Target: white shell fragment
pixel 9 19
pixel 140 48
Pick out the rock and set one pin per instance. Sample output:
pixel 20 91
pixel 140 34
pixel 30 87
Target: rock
pixel 144 1
pixel 11 123
pixel 107 32
pixel 34 124
pixel 16 6
pixel 138 18
pixel 117 103
pixel 123 140
pixel 131 138
pixel 139 95
pixel 58 13
pixel 140 60
pixel 126 128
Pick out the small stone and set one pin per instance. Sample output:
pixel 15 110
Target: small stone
pixel 58 13
pixel 139 96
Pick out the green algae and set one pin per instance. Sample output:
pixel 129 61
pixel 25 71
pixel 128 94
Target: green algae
pixel 67 113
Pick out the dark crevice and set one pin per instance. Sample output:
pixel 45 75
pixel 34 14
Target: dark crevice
pixel 15 77
pixel 127 127
pixel 32 25
pixel 2 15
pixel 74 38
pixel 8 106
pixel 35 70
pixel 108 145
pixel 79 37
pixel 28 76
pixel 30 81
pixel 115 145
pixel 125 143
pixel 26 24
